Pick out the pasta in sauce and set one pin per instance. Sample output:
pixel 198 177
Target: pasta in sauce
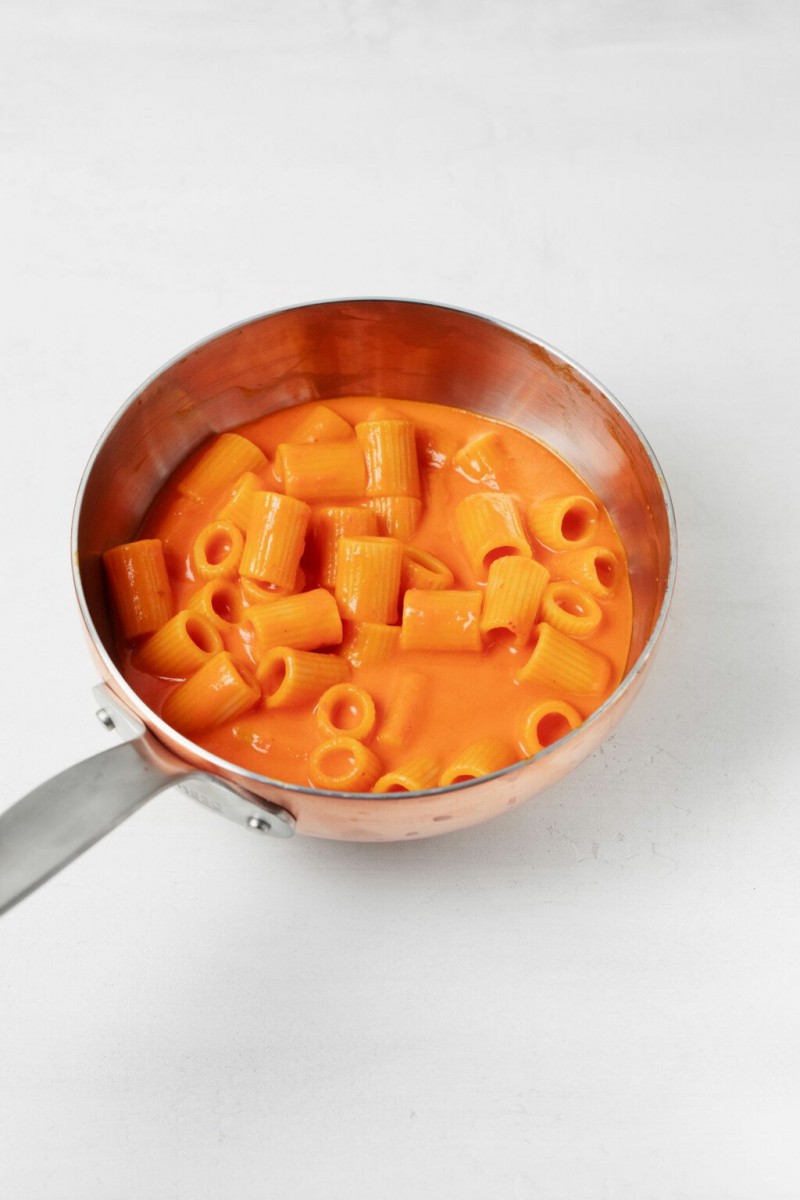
pixel 369 594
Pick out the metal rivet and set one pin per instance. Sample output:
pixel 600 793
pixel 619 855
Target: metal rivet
pixel 105 718
pixel 258 824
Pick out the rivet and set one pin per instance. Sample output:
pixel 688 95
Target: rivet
pixel 105 718
pixel 258 824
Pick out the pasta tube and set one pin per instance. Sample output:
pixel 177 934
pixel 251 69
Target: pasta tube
pixel 321 470
pixel 217 551
pixel 563 522
pixel 219 691
pixel 219 602
pixel 481 460
pixel 137 576
pixel 289 678
pixel 240 502
pixel 570 609
pixel 398 516
pixel 222 462
pixel 445 620
pixel 594 568
pixel 327 526
pixel 424 570
pixel 365 642
pixel 368 578
pixel 547 723
pixel 275 538
pixel 321 424
pixel 343 765
pixel 416 775
pixel 304 622
pixel 560 662
pixel 483 757
pixel 179 647
pixel 514 590
pixel 346 709
pixel 490 528
pixel 256 591
pixel 390 453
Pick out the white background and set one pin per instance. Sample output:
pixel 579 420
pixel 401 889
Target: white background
pixel 596 996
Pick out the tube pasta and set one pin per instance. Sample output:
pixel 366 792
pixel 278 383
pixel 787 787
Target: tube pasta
pixel 480 758
pixel 275 538
pixel 289 678
pixel 327 526
pixel 220 691
pixel 180 647
pixel 595 568
pixel 322 424
pixel 173 528
pixel 398 516
pixel 343 765
pixel 240 502
pixel 443 620
pixel 490 528
pixel 256 591
pixel 140 589
pixel 226 458
pixel 368 579
pixel 390 454
pixel 547 723
pixel 569 608
pixel 560 662
pixel 423 570
pixel 481 460
pixel 346 709
pixel 219 602
pixel 514 590
pixel 217 551
pixel 303 622
pixel 416 775
pixel 563 522
pixel 365 642
pixel 320 471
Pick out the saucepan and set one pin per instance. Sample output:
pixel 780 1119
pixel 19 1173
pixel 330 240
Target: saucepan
pixel 394 348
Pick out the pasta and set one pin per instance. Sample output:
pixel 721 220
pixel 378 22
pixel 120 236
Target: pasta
pixel 140 588
pixel 379 605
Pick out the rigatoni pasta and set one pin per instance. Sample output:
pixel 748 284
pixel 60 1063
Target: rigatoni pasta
pixel 372 594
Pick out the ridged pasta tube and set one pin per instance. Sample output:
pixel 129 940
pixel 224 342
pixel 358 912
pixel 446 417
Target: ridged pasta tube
pixel 563 522
pixel 321 470
pixel 180 647
pixel 217 551
pixel 304 622
pixel 275 538
pixel 416 775
pixel 321 424
pixel 346 709
pixel 240 502
pixel 368 578
pixel 560 662
pixel 257 591
pixel 480 758
pixel 595 568
pixel 140 589
pixel 490 528
pixel 366 642
pixel 398 516
pixel 343 765
pixel 570 609
pixel 444 620
pixel 219 691
pixel 390 453
pixel 219 602
pixel 327 526
pixel 481 460
pixel 546 723
pixel 289 678
pixel 424 570
pixel 514 591
pixel 222 462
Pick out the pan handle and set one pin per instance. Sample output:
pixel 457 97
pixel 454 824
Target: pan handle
pixel 53 824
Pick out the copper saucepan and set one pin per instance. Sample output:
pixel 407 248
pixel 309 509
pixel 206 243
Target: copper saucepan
pixel 347 347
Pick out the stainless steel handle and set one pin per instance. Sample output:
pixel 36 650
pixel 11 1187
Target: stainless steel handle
pixel 52 825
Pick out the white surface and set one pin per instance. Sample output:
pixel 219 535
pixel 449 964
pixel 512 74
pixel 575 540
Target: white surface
pixel 595 997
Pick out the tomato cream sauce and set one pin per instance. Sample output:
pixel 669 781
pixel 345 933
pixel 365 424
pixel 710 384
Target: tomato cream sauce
pixel 467 695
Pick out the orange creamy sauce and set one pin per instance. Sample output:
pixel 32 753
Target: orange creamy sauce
pixel 468 695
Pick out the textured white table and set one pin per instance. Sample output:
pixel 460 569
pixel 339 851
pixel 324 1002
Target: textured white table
pixel 596 997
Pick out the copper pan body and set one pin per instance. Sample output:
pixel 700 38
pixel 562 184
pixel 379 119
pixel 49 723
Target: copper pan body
pixel 393 348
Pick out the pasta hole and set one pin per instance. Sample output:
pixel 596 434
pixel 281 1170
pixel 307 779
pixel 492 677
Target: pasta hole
pixel 551 728
pixel 222 605
pixel 273 677
pixel 605 571
pixel 197 632
pixel 501 636
pixel 218 547
pixel 338 762
pixel 568 603
pixel 463 778
pixel 346 714
pixel 499 552
pixel 397 787
pixel 577 522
